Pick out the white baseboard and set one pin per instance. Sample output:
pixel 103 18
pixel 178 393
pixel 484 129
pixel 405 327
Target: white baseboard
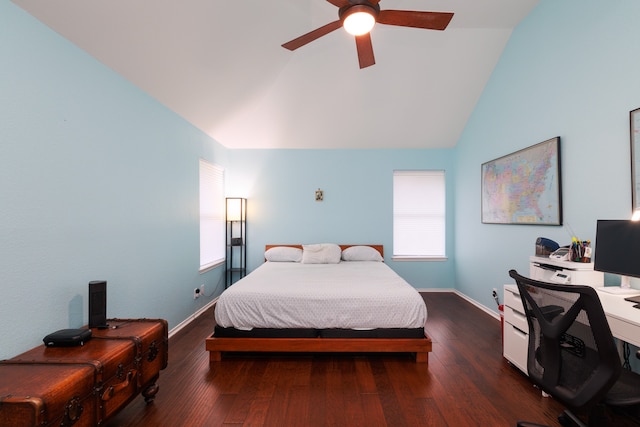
pixel 191 318
pixel 482 307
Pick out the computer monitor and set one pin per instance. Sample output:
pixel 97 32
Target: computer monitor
pixel 617 248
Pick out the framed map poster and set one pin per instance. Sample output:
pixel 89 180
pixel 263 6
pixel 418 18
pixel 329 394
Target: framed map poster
pixel 524 187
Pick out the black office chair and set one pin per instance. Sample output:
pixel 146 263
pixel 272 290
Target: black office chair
pixel 572 354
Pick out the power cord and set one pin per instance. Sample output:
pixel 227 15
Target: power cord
pixel 215 290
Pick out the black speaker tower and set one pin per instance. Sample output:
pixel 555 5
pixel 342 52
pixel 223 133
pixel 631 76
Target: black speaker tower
pixel 98 304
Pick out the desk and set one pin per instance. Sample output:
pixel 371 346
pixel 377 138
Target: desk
pixel 624 322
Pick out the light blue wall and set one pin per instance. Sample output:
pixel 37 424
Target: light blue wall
pixel 570 69
pixel 280 186
pixel 97 181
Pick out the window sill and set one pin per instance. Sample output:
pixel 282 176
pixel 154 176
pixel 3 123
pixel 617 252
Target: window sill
pixel 211 266
pixel 418 258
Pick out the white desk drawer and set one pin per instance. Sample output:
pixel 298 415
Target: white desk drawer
pixel 516 318
pixel 512 299
pixel 515 347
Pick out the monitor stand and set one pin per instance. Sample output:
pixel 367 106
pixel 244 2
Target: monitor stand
pixel 624 288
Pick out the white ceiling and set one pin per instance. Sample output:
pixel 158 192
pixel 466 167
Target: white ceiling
pixel 219 64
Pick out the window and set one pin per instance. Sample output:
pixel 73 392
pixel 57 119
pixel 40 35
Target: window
pixel 418 215
pixel 211 215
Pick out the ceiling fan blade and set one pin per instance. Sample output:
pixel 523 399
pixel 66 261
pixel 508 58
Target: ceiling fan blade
pixel 365 50
pixel 313 35
pixel 340 3
pixel 415 19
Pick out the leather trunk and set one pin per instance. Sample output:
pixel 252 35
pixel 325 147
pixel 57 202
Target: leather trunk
pixel 113 362
pixel 34 394
pixel 151 340
pixel 84 385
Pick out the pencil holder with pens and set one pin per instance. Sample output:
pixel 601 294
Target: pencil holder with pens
pixel 580 250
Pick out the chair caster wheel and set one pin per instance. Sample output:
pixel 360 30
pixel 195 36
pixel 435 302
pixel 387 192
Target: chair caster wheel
pixel 565 421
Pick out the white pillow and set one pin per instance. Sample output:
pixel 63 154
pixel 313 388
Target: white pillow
pixel 283 254
pixel 323 253
pixel 361 253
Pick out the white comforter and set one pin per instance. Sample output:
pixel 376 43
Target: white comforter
pixel 348 295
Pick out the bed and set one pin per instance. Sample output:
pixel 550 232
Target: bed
pixel 321 298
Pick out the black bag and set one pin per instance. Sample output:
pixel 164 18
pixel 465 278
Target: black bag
pixel 67 337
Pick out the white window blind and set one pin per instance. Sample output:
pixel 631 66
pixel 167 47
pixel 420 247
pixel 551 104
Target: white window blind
pixel 419 214
pixel 211 215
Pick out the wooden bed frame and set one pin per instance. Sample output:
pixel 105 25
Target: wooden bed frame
pixel 420 346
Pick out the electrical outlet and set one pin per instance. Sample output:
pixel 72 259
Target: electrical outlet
pixel 202 289
pixel 196 293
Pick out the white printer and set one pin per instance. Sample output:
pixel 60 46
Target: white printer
pixel 555 270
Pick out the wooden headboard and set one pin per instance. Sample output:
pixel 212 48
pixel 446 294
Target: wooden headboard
pixel 379 248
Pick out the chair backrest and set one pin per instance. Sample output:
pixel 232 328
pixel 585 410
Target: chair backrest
pixel 572 354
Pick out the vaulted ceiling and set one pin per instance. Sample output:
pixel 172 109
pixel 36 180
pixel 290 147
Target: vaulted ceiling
pixel 219 64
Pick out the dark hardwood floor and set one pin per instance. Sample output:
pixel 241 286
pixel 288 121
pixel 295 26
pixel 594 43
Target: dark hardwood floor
pixel 465 383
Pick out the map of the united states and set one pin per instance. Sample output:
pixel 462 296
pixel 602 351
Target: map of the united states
pixel 522 187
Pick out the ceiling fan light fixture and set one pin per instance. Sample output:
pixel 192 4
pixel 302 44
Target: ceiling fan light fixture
pixel 358 20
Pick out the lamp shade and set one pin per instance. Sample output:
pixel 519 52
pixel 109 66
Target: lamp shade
pixel 236 209
pixel 358 20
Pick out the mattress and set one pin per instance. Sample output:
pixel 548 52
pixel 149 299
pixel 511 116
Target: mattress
pixel 359 295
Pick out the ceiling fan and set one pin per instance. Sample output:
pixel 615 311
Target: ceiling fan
pixel 358 18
